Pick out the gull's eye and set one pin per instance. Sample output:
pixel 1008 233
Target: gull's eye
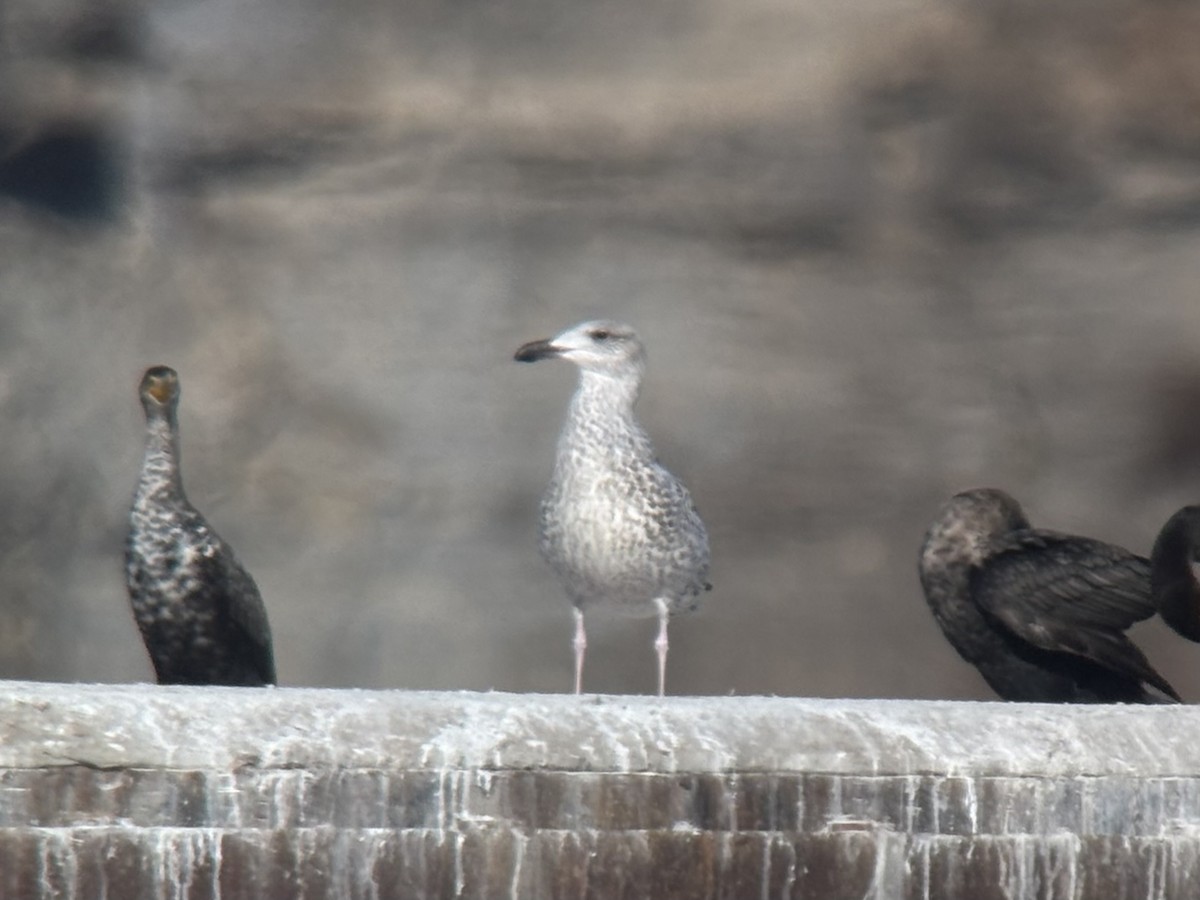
pixel 599 334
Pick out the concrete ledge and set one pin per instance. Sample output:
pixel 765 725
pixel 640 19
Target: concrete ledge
pixel 145 726
pixel 141 791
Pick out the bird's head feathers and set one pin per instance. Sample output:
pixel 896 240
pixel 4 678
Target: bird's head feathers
pixel 601 346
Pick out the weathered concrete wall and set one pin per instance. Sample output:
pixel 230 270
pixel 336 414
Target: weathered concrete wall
pixel 138 791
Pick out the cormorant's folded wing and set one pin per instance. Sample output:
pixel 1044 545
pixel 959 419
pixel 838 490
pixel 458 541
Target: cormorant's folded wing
pixel 1070 595
pixel 243 605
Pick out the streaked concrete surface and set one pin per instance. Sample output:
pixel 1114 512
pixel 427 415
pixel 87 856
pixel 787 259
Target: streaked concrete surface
pixel 139 791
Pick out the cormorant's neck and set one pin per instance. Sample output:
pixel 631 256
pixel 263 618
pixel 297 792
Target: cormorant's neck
pixel 945 573
pixel 1172 581
pixel 160 464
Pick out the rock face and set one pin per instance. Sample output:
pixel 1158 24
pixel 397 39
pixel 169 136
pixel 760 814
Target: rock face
pixel 138 792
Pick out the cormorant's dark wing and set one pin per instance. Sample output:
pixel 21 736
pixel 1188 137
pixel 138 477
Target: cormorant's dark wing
pixel 245 611
pixel 1070 579
pixel 1070 595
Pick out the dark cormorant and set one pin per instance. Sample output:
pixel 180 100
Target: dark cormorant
pixel 1042 615
pixel 199 611
pixel 1172 578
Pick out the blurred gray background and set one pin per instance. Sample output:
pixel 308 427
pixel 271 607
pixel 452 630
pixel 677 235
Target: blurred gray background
pixel 879 252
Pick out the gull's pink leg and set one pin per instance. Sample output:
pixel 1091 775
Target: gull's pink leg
pixel 580 644
pixel 660 643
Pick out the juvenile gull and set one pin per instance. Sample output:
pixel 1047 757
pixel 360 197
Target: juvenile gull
pixel 198 609
pixel 1041 615
pixel 619 530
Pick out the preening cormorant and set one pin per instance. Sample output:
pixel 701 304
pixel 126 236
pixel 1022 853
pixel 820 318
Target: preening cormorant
pixel 198 609
pixel 1042 615
pixel 618 529
pixel 1172 577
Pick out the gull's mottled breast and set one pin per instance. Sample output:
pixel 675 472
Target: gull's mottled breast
pixel 618 527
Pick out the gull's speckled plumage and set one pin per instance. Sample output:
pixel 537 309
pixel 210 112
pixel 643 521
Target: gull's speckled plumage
pixel 198 609
pixel 1040 614
pixel 618 529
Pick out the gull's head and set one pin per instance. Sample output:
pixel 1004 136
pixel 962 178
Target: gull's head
pixel 159 389
pixel 601 346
